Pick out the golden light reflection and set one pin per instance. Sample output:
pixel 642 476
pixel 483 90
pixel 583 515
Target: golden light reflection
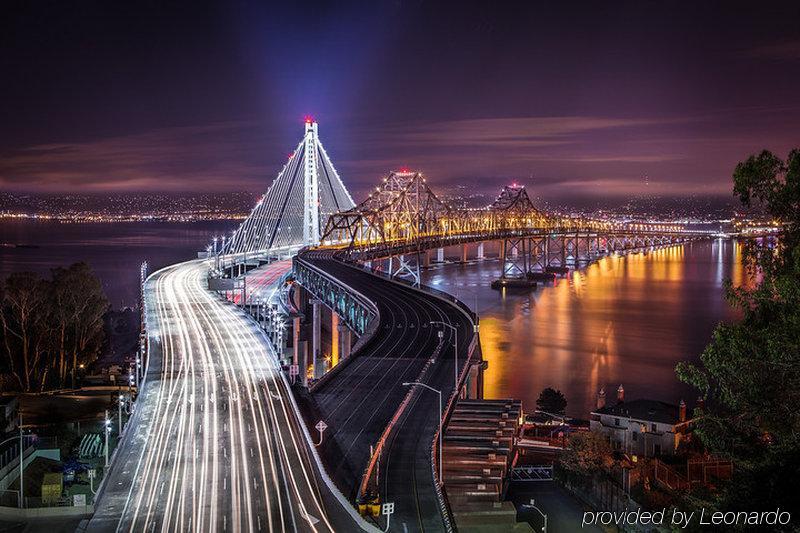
pixel 626 319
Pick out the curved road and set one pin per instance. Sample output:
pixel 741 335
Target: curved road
pixel 358 402
pixel 216 443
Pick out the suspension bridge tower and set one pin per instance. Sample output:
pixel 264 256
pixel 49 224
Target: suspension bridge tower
pixel 297 204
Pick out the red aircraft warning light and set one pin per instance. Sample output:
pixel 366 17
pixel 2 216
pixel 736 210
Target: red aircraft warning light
pixel 308 119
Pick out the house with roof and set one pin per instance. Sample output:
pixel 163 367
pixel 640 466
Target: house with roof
pixel 649 428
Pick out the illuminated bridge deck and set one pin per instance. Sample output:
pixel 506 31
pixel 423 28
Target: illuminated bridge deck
pixel 216 444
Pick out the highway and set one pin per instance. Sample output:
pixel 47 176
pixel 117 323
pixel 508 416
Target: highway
pixel 215 444
pixel 358 403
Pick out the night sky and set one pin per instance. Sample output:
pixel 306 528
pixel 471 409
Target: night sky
pixel 602 99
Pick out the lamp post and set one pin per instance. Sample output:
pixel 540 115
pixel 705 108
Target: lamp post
pixel 107 427
pixel 455 348
pixel 437 391
pixel 119 406
pixel 216 254
pixel 544 528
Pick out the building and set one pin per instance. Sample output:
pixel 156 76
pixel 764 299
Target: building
pixel 641 427
pixel 9 414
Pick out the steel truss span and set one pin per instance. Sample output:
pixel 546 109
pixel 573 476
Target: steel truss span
pixel 403 215
pixel 299 202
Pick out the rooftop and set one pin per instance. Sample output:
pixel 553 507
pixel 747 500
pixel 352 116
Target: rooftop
pixel 647 410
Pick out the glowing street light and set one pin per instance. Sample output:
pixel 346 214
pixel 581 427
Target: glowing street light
pixel 107 428
pixel 455 347
pixel 437 391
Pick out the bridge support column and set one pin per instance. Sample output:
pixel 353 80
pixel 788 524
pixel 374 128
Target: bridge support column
pixel 336 330
pixel 463 253
pixel 426 259
pixel 300 356
pixel 440 255
pixel 480 251
pixel 514 266
pixel 582 254
pixel 538 251
pixel 316 346
pixel 345 341
pixel 556 252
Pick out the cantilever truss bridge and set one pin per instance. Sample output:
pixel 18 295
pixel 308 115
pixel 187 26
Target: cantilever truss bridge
pixel 403 218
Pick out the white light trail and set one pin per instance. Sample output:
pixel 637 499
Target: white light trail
pixel 220 391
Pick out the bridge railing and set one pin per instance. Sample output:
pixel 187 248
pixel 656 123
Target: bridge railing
pixel 425 288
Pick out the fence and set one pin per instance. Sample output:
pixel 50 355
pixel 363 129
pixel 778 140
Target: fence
pixel 668 476
pixel 603 494
pixel 697 471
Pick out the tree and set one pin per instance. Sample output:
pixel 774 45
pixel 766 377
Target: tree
pixel 86 306
pixel 750 372
pixel 49 327
pixel 586 455
pixel 23 326
pixel 551 401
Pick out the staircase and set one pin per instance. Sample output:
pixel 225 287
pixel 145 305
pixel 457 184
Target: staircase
pixel 479 453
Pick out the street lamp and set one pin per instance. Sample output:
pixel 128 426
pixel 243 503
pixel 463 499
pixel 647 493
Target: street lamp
pixel 544 528
pixel 455 349
pixel 411 384
pixel 119 405
pixel 107 427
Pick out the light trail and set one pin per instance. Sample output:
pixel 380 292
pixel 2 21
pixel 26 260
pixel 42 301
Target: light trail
pixel 223 451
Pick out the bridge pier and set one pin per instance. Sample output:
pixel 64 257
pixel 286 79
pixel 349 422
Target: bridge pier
pixel 463 253
pixel 480 253
pixel 336 332
pixel 316 336
pixel 440 255
pixel 556 253
pixel 345 340
pixel 538 251
pixel 300 357
pixel 514 265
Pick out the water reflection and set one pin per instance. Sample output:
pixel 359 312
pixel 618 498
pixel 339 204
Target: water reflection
pixel 625 319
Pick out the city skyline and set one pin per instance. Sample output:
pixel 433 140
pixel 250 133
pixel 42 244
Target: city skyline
pixel 595 102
